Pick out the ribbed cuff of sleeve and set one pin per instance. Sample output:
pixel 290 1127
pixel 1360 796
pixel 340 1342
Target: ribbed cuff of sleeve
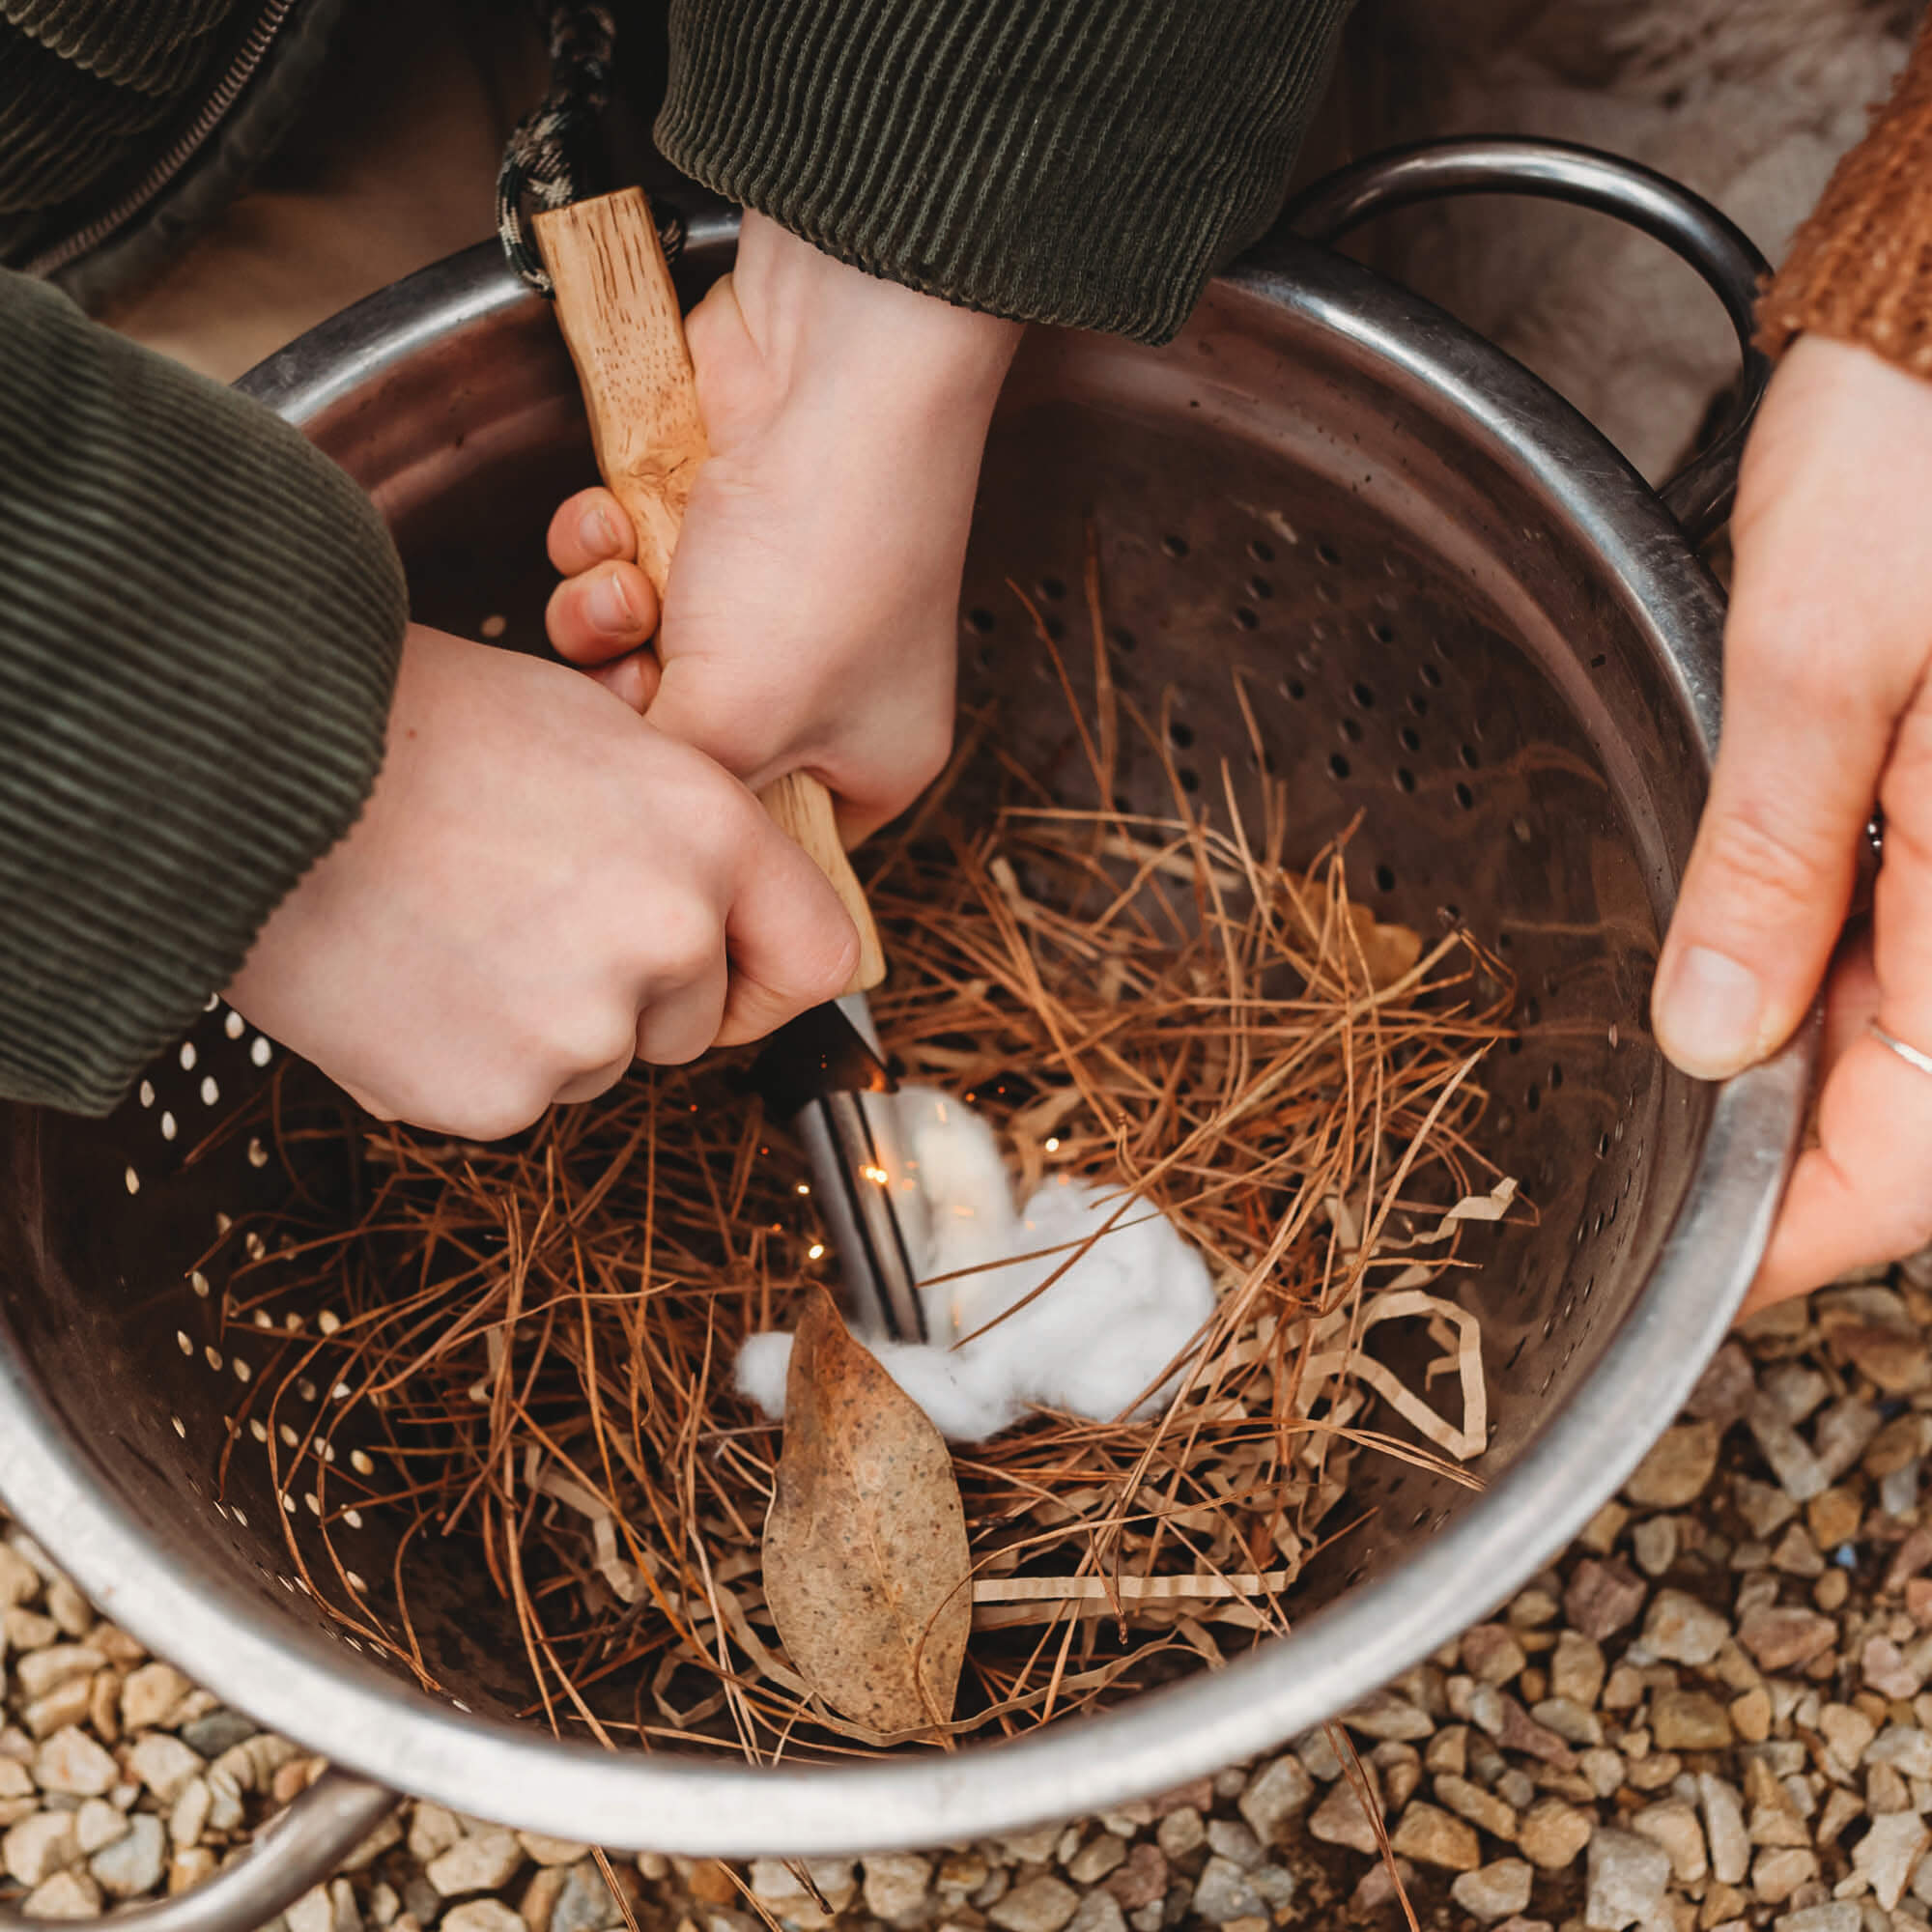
pixel 198 646
pixel 1861 267
pixel 1090 162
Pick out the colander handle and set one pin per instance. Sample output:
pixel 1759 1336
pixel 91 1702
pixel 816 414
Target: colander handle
pixel 1700 495
pixel 295 1853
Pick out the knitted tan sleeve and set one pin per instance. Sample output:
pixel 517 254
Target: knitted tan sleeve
pixel 1861 267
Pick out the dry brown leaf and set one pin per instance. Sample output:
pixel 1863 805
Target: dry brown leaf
pixel 866 1570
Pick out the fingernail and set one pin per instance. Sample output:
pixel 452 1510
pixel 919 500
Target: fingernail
pixel 609 606
pixel 1709 1013
pixel 597 533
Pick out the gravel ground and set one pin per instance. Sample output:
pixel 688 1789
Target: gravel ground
pixel 1711 1714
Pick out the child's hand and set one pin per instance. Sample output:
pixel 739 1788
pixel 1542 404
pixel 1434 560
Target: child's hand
pixel 1827 709
pixel 812 605
pixel 541 888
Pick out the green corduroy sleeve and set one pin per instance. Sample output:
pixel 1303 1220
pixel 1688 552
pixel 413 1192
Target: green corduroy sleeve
pixel 1089 162
pixel 200 618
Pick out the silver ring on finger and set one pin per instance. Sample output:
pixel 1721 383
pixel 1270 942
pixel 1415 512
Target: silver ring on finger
pixel 1906 1051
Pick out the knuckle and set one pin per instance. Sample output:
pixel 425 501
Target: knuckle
pixel 1768 867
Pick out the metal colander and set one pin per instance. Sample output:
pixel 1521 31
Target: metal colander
pixel 1456 613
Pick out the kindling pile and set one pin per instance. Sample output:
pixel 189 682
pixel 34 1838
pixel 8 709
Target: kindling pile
pixel 533 1343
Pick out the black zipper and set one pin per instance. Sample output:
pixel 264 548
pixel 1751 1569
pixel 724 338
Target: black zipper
pixel 193 139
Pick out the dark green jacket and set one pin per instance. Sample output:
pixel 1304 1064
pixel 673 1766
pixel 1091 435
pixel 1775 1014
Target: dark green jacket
pixel 202 617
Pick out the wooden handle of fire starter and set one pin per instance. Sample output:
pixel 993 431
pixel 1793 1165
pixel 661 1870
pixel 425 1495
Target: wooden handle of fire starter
pixel 621 318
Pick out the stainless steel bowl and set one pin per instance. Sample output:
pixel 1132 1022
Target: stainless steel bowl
pixel 1458 612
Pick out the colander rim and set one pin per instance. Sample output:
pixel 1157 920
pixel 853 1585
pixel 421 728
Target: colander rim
pixel 296 1683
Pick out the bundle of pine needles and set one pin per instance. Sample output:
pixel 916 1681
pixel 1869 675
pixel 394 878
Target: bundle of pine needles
pixel 534 1340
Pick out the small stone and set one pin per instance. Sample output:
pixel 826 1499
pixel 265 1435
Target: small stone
pixel 478 1915
pixel 1493 1891
pixel 1628 1878
pixel 1480 1808
pixel 1569 1721
pixel 1533 1607
pixel 73 1764
pixel 1839 1915
pixel 37 1847
pixel 1385 1715
pixel 1603 1598
pixel 1797 1555
pixel 1785 1640
pixel 1603 1771
pixel 1095 1860
pixel 1492 1654
pixel 486 1862
pixel 188 1820
pixel 1893 1360
pixel 61 1708
pixel 1688 1720
pixel 1793 1389
pixel 1890 1852
pixel 1043 1904
pixel 97 1825
pixel 1378 1886
pixel 188 1869
pixel 1099 1912
pixel 551 1850
pixel 1181 1832
pixel 1779 1872
pixel 1274 1795
pixel 432 1831
pixel 1848 1732
pixel 1653 1544
pixel 133 1864
pixel 896 1884
pixel 1315 1753
pixel 1675 1826
pixel 1600 1534
pixel 1765 1508
pixel 1885 1668
pixel 1725 1389
pixel 1576 1668
pixel 44 1670
pixel 1833 1518
pixel 150 1696
pixel 1905 1748
pixel 29 1629
pixel 313 1912
pixel 1142 1880
pixel 1340 1820
pixel 1751 1716
pixel 1552 1833
pixel 540 1896
pixel 1681 1630
pixel 69 1608
pixel 164 1765
pixel 1519 1731
pixel 1433 1837
pixel 1222 1893
pixel 67 1894
pixel 19 1580
pixel 1724 1829
pixel 1677 1468
pixel 216 1732
pixel 587 1903
pixel 1797 1470
pixel 1228 1838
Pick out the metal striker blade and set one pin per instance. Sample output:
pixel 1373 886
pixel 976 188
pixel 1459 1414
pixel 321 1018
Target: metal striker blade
pixel 824 1072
